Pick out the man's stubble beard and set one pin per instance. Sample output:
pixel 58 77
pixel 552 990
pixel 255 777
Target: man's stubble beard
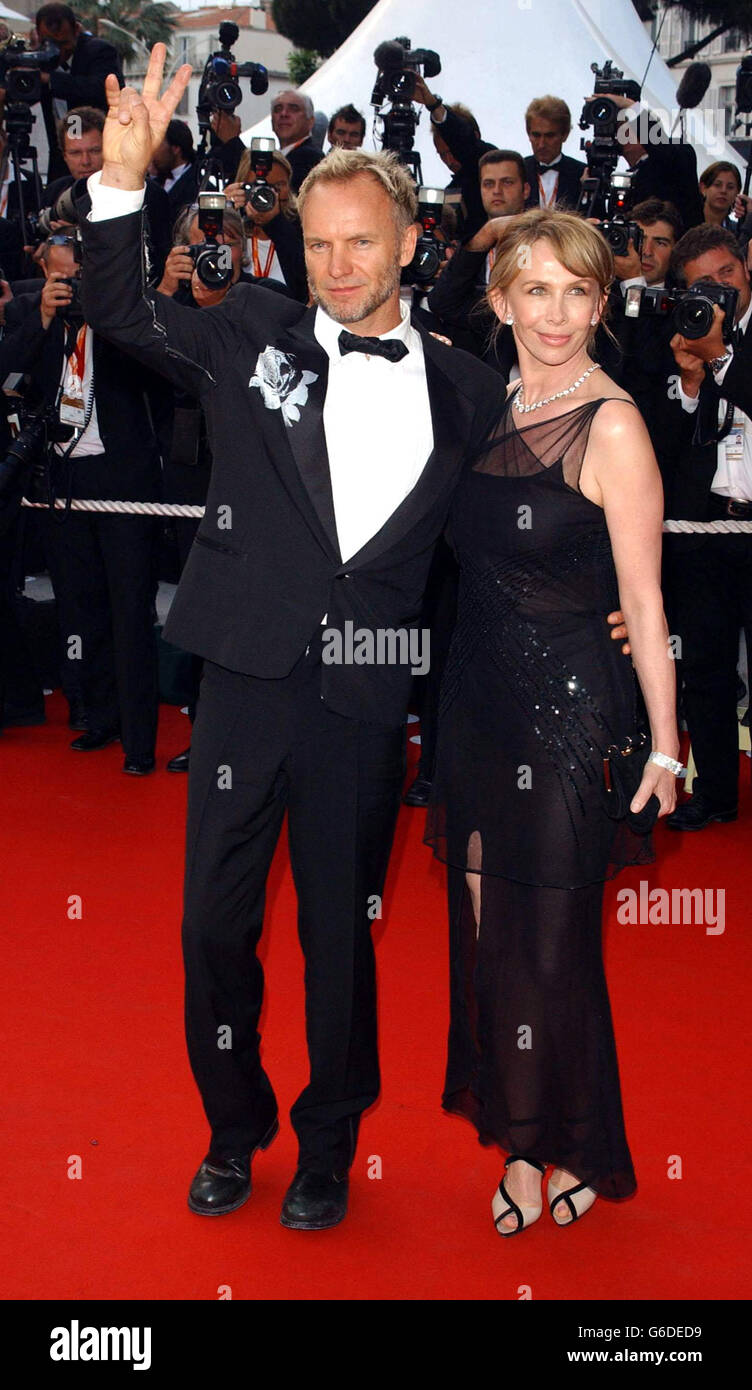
pixel 383 291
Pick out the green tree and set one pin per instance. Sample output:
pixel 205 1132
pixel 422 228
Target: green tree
pixel 116 20
pixel 302 64
pixel 319 25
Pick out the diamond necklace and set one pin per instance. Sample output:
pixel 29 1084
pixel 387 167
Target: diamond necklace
pixel 525 409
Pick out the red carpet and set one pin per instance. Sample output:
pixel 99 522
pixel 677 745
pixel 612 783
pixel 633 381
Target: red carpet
pixel 95 1067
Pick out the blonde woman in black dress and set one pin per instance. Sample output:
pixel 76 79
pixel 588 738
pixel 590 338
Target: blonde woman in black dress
pixel 557 523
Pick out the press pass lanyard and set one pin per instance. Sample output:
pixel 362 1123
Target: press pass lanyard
pixel 69 405
pixel 258 272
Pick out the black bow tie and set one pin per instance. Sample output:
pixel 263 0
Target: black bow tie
pixel 544 168
pixel 390 348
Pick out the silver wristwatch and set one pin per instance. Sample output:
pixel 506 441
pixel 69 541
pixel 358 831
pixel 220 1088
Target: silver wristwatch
pixel 670 764
pixel 716 363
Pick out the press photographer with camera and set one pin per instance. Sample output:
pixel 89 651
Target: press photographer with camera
pixel 262 193
pixel 80 139
pixel 459 298
pixel 457 141
pixel 98 442
pixel 78 78
pixel 710 576
pixel 554 178
pixel 660 167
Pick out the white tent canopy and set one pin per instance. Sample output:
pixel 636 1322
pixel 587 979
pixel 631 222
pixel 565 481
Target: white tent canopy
pixel 14 19
pixel 496 56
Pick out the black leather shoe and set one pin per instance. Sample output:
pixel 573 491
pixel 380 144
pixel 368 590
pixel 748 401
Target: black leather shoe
pixel 418 793
pixel 180 762
pixel 696 813
pixel 314 1201
pixel 95 738
pixel 224 1184
pixel 139 767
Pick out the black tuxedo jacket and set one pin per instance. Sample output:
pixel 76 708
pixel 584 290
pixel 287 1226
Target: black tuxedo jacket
pixel 689 443
pixel 120 392
pixel 158 218
pixel 670 172
pixel 91 62
pixel 265 566
pixel 570 172
pixel 183 192
pixel 458 301
pixel 468 148
pixel 302 159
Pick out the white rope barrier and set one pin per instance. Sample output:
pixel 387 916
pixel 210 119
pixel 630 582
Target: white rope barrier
pixel 185 509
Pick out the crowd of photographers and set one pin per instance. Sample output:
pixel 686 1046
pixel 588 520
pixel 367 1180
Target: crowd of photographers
pixel 84 421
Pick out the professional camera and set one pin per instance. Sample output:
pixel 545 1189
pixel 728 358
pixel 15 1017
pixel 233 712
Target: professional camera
pixel 599 112
pixel 260 194
pixel 616 227
pixel 429 251
pixel 21 69
pixel 220 89
pixel 691 310
pixel 73 310
pixel 213 261
pixel 62 210
pixel 398 65
pixel 23 453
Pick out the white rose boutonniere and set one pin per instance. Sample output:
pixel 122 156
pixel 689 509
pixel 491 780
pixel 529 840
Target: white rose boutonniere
pixel 283 386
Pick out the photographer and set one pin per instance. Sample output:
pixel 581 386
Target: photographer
pixel 711 575
pixel 80 137
pixel 175 167
pixel 78 80
pixel 458 298
pixel 102 565
pixel 660 168
pixel 292 122
pixel 457 140
pixel 346 129
pixel 275 243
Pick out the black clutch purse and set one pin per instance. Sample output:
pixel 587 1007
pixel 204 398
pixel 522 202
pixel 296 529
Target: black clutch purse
pixel 623 769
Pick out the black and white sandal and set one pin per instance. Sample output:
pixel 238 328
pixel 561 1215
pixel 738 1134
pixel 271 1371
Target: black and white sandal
pixel 578 1199
pixel 501 1196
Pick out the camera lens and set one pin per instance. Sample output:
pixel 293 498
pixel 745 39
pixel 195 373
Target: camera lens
pixel 617 237
pixel 693 316
pixel 227 95
pixel 603 110
pixel 262 197
pixel 212 267
pixel 426 263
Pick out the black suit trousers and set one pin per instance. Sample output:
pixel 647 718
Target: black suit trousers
pixel 260 748
pixel 102 569
pixel 711 600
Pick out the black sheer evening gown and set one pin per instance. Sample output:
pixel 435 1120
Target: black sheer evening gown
pixel 535 690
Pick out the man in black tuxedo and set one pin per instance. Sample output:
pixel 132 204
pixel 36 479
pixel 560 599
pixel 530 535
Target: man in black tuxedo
pixel 307 538
pixel 711 575
pixel 176 167
pixel 458 298
pixel 457 141
pixel 102 566
pixel 292 122
pixel 553 177
pixel 78 80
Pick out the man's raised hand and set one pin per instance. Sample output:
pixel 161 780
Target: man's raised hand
pixel 136 122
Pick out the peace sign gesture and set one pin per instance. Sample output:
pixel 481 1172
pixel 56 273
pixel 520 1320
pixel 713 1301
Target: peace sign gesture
pixel 136 123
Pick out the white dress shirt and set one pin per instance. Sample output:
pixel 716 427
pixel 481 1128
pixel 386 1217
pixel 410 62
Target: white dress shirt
pixel 733 475
pixel 173 177
pixel 549 182
pixel 379 435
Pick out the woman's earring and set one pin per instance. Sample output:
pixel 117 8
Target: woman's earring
pixel 594 320
pixel 509 319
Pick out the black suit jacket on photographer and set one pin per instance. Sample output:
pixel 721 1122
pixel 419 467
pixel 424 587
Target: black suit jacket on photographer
pixel 253 596
pixel 692 439
pixel 568 189
pixel 83 85
pixel 669 171
pixel 132 470
pixel 457 300
pixel 302 158
pixel 467 147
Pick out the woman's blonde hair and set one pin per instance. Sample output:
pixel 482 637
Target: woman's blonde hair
pixel 578 246
pixel 244 170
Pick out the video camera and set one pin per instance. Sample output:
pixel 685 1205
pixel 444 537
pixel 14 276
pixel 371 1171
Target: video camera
pixel 21 69
pixel 260 194
pixel 220 89
pixel 398 65
pixel 430 253
pixel 691 310
pixel 605 194
pixel 212 260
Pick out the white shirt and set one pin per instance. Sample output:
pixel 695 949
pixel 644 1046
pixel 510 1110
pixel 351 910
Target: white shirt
pixel 173 177
pixel 90 442
pixel 549 182
pixel 378 428
pixel 733 474
pixel 262 251
pixel 377 415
